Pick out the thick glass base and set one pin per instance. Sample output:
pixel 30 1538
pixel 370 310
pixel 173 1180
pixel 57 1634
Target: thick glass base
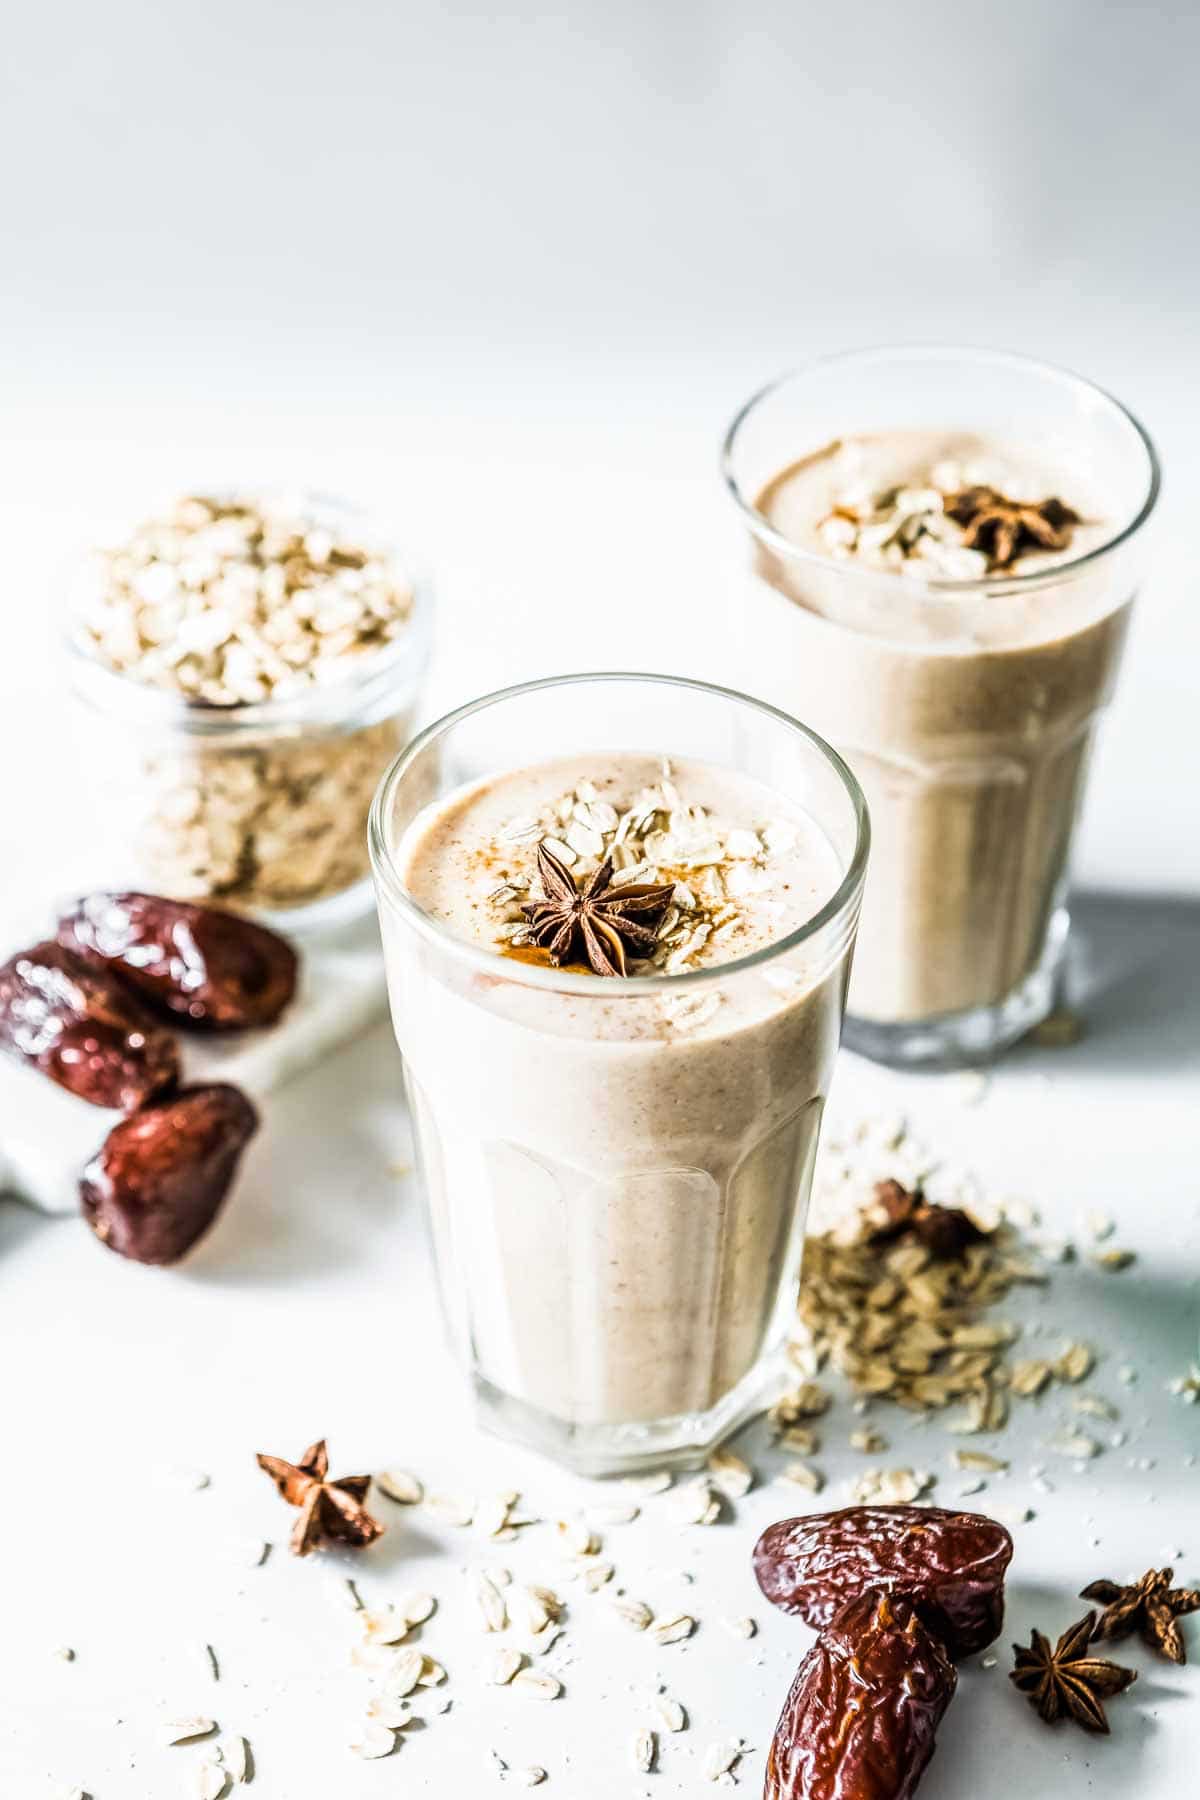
pixel 958 1040
pixel 679 1443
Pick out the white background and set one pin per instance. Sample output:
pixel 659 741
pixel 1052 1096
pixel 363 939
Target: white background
pixel 504 279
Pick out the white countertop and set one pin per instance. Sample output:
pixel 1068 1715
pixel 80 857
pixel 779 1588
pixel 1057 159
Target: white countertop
pixel 507 292
pixel 311 1310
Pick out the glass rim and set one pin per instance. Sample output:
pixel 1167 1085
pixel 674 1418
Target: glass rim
pixel 562 981
pixel 935 587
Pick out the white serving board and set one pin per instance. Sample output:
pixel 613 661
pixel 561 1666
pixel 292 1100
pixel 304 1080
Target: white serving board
pixel 47 1134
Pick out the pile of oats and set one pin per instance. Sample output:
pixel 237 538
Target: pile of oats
pixel 238 600
pixel 901 1324
pixel 226 604
pixel 657 839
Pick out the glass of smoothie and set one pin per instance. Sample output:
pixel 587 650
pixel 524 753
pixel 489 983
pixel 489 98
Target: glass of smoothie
pixel 944 549
pixel 618 913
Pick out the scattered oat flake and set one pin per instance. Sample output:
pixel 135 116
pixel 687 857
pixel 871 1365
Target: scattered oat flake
pixel 390 1710
pixel 1074 1362
pixel 182 1731
pixel 208 1659
pixel 237 1759
pixel 655 1481
pixel 891 1487
pixel 1029 1377
pixel 432 1673
pixel 741 1628
pixel 1186 1387
pixel 803 1475
pixel 1113 1261
pixel 450 1509
pixel 978 1459
pixel 643 1750
pixel 374 1741
pixel 387 1626
pixel 987 1662
pixel 491 1513
pixel 209 1781
pixel 71 1793
pixel 869 1441
pixel 604 1516
pixel 965 1489
pixel 400 1486
pixel 504 1665
pixel 536 1685
pixel 577 1536
pixel 730 1473
pixel 405 1672
pixel 496 1764
pixel 673 1630
pixel 722 1758
pixel 634 1612
pixel 493 1607
pixel 671 1713
pixel 596 1575
pixel 1075 1444
pixel 533 1776
pixel 63 1653
pixel 696 1504
pixel 1094 1406
pixel 1011 1515
pixel 172 1475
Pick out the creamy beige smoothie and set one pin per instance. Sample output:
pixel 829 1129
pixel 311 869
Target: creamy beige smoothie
pixel 617 1169
pixel 968 724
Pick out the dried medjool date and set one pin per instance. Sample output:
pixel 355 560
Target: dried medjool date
pixel 83 1028
pixel 861 1717
pixel 951 1564
pixel 160 1177
pixel 203 966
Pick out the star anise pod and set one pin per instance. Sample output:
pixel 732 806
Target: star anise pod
pixel 896 1211
pixel 330 1511
pixel 1151 1607
pixel 606 921
pixel 1006 529
pixel 1065 1682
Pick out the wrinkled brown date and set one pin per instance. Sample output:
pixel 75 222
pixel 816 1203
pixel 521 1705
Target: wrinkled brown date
pixel 203 966
pixel 861 1717
pixel 83 1028
pixel 951 1564
pixel 160 1177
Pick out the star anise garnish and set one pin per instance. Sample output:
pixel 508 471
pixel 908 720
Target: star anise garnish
pixel 1151 1607
pixel 1065 1682
pixel 897 1211
pixel 1006 529
pixel 604 920
pixel 330 1511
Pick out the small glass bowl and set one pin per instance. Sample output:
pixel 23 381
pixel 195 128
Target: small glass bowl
pixel 259 807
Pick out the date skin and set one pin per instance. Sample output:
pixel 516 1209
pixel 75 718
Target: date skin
pixel 202 966
pixel 861 1717
pixel 83 1028
pixel 951 1564
pixel 161 1177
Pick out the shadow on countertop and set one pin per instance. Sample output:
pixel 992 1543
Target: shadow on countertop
pixel 1134 976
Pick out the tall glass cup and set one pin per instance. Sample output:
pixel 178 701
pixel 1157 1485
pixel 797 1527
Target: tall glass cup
pixel 617 1171
pixel 967 708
